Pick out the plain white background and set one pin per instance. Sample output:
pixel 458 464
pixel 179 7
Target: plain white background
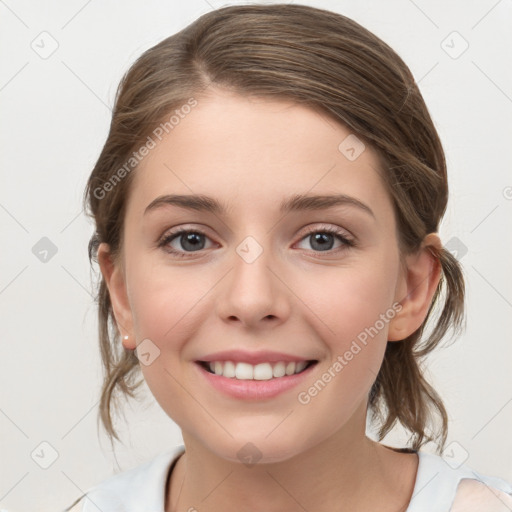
pixel 55 117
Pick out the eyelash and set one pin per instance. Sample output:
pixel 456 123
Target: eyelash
pixel 347 242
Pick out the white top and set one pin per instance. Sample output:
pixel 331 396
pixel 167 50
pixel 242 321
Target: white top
pixel 436 489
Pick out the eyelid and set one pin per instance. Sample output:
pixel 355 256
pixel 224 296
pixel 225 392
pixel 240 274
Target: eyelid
pixel 319 227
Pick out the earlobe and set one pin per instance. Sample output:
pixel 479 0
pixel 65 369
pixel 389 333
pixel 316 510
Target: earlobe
pixel 416 288
pixel 128 343
pixel 115 281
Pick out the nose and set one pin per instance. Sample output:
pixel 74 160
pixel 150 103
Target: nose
pixel 254 293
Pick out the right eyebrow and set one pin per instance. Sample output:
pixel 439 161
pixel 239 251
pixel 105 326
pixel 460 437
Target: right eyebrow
pixel 188 201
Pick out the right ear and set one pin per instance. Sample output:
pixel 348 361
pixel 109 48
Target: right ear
pixel 116 284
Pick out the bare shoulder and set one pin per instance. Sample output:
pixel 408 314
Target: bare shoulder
pixel 475 496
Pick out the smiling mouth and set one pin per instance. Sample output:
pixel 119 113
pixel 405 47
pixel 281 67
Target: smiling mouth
pixel 261 371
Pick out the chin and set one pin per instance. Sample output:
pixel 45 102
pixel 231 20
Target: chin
pixel 259 449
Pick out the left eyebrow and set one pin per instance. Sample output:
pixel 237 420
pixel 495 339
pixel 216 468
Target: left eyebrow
pixel 322 202
pixel 297 202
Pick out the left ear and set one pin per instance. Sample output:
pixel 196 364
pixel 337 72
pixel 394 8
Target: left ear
pixel 416 288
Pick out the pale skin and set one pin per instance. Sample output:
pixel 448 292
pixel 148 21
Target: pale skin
pixel 250 154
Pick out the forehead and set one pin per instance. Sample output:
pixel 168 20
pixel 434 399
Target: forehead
pixel 250 153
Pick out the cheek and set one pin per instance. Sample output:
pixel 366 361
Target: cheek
pixel 162 298
pixel 350 309
pixel 352 320
pixel 170 304
pixel 345 302
pixel 166 306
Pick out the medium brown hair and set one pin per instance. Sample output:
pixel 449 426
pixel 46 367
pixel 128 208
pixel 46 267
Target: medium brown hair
pixel 328 62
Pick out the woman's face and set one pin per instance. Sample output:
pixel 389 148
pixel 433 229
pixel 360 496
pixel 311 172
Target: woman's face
pixel 260 274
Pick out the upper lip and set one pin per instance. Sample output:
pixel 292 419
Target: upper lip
pixel 240 356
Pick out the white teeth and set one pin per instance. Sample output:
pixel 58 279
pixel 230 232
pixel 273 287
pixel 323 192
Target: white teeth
pixel 229 369
pixel 243 371
pixel 279 370
pixel 290 368
pixel 262 371
pixel 300 366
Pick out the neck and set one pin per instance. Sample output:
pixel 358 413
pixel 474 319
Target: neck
pixel 343 473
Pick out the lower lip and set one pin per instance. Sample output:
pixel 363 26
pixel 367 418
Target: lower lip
pixel 254 389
